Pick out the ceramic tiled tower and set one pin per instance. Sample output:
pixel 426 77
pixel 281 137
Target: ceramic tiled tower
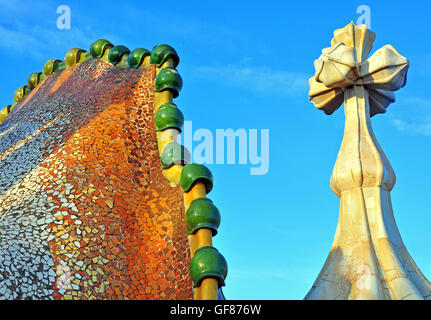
pixel 368 259
pixel 97 200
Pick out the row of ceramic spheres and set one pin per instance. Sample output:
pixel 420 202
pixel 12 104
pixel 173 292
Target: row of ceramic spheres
pixel 202 213
pixel 119 55
pixel 207 262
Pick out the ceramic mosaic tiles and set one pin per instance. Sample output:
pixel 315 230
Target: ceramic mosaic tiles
pixel 85 211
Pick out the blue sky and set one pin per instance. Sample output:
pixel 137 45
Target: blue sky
pixel 246 65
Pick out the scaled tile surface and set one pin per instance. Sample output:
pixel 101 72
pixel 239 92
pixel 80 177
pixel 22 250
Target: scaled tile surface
pixel 85 212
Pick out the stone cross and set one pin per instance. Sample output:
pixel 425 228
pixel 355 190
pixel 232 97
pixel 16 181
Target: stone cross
pixel 368 259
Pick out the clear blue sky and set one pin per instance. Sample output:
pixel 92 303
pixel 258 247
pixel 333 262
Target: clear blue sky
pixel 245 65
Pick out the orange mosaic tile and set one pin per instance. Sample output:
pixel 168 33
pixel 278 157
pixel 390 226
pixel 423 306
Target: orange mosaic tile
pixel 86 210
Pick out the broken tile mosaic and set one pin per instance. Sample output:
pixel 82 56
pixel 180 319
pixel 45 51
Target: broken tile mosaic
pixel 85 212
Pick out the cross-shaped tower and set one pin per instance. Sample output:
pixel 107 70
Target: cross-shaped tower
pixel 368 259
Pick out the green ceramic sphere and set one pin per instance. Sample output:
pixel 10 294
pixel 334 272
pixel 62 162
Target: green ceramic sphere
pixel 202 213
pixel 169 116
pixel 174 153
pixel 3 114
pixel 207 262
pixel 98 48
pixel 136 57
pixel 20 93
pixel 51 66
pixel 193 173
pixel 163 52
pixel 73 56
pixel 169 79
pixel 34 80
pixel 116 53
